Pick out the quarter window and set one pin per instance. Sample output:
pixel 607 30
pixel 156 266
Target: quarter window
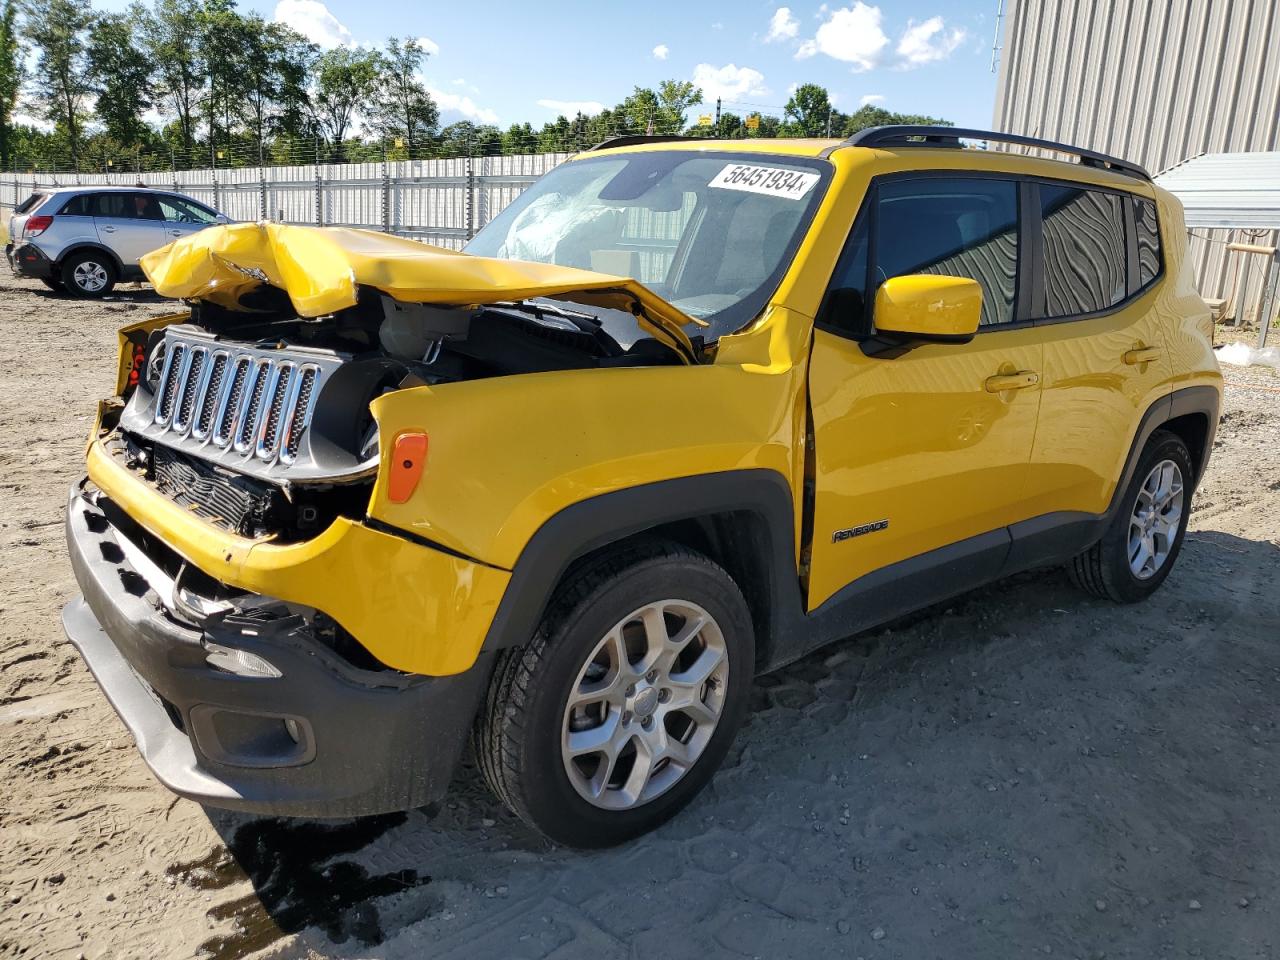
pixel 952 227
pixel 1084 250
pixel 1147 232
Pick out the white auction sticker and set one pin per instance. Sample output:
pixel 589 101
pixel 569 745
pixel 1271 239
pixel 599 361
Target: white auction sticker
pixel 771 181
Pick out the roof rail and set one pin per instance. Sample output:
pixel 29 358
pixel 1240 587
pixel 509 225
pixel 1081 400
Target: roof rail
pixel 632 139
pixel 907 135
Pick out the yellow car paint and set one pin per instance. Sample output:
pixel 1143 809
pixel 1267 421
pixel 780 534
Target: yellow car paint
pixel 929 306
pixel 921 438
pixel 414 608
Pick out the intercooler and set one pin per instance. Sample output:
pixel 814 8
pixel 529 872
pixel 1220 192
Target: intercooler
pixel 241 504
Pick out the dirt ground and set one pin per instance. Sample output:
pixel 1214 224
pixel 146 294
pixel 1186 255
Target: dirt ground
pixel 1024 771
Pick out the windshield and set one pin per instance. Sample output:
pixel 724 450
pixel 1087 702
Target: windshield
pixel 710 232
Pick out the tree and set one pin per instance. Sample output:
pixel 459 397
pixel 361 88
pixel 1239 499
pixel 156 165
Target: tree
pixel 271 90
pixel 872 116
pixel 808 112
pixel 675 97
pixel 345 81
pixel 121 74
pixel 10 79
pixel 404 108
pixel 58 30
pixel 172 37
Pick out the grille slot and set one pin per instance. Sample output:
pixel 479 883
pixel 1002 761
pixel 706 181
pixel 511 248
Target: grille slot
pixel 259 406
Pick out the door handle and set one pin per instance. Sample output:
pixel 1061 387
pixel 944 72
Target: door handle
pixel 1012 381
pixel 108 229
pixel 1140 355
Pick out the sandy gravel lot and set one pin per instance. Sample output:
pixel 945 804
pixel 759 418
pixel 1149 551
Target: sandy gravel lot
pixel 1024 771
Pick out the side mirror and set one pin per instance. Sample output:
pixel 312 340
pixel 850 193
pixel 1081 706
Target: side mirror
pixel 929 308
pixel 222 218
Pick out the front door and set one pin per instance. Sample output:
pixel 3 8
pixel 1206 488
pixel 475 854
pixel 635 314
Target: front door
pixel 928 449
pixel 129 223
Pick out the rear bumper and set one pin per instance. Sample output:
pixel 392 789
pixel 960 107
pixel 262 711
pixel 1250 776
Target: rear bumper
pixel 28 260
pixel 323 739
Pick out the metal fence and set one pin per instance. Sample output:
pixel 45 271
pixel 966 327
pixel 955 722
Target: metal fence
pixel 442 202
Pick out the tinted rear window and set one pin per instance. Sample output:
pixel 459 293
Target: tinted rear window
pixel 1147 230
pixel 29 204
pixel 1084 250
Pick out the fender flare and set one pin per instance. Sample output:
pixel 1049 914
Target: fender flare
pixel 598 521
pixel 1201 399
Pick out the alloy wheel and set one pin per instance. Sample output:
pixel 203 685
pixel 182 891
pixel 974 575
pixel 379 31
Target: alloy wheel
pixel 90 276
pixel 645 704
pixel 1157 516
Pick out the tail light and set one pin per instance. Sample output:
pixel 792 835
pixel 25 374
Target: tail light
pixel 408 457
pixel 36 226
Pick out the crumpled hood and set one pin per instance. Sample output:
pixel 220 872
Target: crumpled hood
pixel 320 268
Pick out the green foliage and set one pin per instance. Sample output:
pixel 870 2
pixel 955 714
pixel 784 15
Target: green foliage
pixel 809 112
pixel 872 116
pixel 58 29
pixel 121 75
pixel 345 81
pixel 10 78
pixel 403 107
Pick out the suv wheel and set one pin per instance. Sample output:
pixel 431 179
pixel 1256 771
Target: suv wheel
pixel 88 274
pixel 1141 544
pixel 626 700
pixel 54 283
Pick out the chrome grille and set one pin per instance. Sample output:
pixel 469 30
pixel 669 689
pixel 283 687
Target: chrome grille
pixel 259 406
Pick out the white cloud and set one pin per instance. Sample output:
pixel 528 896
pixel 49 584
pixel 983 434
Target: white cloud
pixel 871 99
pixel 570 107
pixel 926 42
pixel 660 51
pixel 312 19
pixel 782 25
pixel 852 34
pixel 460 103
pixel 729 82
pixel 429 46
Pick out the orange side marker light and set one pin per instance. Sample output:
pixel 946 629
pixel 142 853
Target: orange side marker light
pixel 408 457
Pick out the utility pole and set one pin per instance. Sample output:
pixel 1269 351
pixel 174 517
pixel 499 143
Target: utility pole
pixel 828 120
pixel 717 113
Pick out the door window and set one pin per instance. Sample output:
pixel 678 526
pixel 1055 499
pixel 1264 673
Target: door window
pixel 953 227
pixel 950 226
pixel 126 206
pixel 179 210
pixel 1084 250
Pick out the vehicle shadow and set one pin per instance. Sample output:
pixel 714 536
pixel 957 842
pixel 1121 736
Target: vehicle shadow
pixel 939 694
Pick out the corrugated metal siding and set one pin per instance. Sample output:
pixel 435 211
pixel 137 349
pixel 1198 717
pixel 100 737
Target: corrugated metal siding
pixel 1155 82
pixel 1228 189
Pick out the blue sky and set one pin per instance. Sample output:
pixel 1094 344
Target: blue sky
pixel 513 61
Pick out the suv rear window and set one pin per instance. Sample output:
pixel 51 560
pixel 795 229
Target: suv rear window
pixel 1148 236
pixel 29 204
pixel 1084 250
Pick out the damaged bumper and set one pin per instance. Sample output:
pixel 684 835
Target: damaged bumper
pixel 243 707
pixel 28 260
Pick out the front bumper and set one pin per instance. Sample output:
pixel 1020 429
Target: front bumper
pixel 28 260
pixel 323 739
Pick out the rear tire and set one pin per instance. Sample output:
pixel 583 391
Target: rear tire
pixel 54 283
pixel 88 274
pixel 1144 538
pixel 626 700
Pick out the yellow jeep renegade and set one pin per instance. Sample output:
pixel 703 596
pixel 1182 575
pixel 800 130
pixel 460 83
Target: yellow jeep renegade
pixel 684 412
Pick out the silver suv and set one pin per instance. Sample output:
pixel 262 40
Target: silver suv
pixel 84 240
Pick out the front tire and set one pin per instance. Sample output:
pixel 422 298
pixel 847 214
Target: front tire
pixel 1144 538
pixel 626 700
pixel 88 275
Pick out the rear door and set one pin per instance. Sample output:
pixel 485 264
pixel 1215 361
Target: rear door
pixel 131 224
pixel 926 449
pixel 1106 360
